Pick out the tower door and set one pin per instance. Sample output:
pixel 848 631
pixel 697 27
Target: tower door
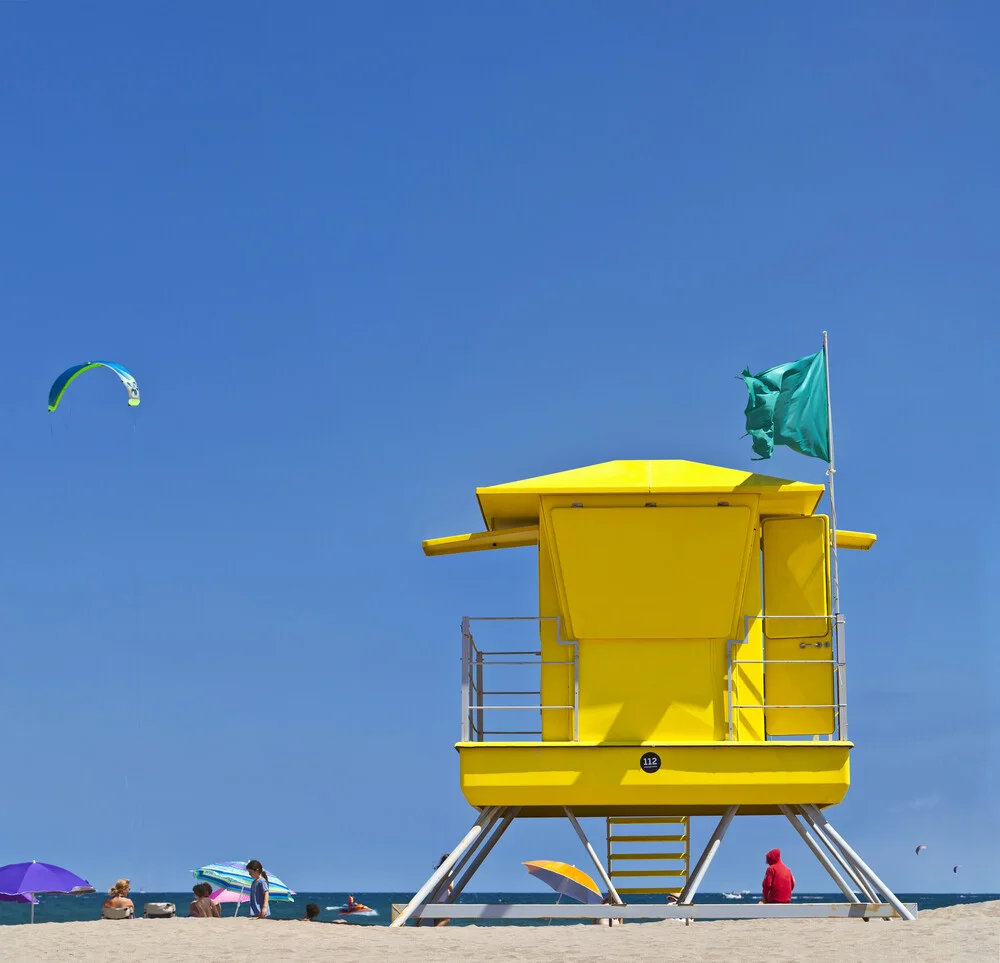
pixel 798 651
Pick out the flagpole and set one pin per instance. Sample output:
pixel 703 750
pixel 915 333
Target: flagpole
pixel 835 570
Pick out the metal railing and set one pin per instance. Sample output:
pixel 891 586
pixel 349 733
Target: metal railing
pixel 836 663
pixel 474 691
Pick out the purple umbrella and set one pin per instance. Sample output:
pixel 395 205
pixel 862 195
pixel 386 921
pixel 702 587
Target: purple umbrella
pixel 19 879
pixel 18 898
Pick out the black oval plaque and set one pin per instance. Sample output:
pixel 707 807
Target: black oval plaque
pixel 649 762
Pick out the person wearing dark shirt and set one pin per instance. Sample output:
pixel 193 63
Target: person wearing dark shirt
pixel 778 880
pixel 203 905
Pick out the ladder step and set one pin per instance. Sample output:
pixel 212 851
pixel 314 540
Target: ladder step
pixel 647 839
pixel 629 890
pixel 645 820
pixel 647 872
pixel 634 856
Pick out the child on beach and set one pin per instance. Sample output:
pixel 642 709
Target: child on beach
pixel 312 911
pixel 259 896
pixel 203 905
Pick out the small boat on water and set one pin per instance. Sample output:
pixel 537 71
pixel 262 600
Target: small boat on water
pixel 354 908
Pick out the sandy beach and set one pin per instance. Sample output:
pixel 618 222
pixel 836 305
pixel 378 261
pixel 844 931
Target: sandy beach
pixel 954 933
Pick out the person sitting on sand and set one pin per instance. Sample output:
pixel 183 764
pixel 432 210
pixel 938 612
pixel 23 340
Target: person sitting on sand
pixel 312 911
pixel 118 896
pixel 778 880
pixel 203 905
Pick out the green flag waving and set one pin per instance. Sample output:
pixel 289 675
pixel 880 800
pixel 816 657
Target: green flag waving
pixel 788 406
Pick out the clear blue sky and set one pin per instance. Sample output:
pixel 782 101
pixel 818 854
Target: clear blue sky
pixel 364 258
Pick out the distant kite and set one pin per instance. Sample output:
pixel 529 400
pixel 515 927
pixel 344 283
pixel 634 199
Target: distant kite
pixel 955 870
pixel 920 848
pixel 64 380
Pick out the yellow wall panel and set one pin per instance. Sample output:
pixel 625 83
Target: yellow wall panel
pixel 556 680
pixel 651 573
pixel 648 690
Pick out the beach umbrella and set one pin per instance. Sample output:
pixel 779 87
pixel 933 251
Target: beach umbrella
pixel 18 898
pixel 566 880
pixel 228 896
pixel 27 879
pixel 234 877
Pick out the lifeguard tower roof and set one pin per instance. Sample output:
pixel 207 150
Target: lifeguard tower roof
pixel 516 503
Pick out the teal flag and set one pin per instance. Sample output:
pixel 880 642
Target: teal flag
pixel 788 406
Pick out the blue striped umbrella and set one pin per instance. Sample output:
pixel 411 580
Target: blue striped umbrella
pixel 234 877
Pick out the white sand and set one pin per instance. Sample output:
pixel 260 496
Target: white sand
pixel 954 934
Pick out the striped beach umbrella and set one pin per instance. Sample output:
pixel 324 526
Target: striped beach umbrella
pixel 234 877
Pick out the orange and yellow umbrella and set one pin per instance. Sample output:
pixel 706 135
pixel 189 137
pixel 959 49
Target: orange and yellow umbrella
pixel 566 880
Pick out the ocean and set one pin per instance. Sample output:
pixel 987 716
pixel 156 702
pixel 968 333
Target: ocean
pixel 65 909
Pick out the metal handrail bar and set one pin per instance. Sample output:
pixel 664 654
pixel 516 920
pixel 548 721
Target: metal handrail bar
pixel 515 732
pixel 487 692
pixel 513 618
pixel 803 662
pixel 501 662
pixel 512 652
pixel 479 708
pixel 818 705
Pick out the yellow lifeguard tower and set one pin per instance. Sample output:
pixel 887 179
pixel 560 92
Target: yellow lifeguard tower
pixel 690 661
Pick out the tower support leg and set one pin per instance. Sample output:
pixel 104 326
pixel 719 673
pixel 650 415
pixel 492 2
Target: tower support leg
pixel 857 878
pixel 442 888
pixel 484 851
pixel 705 860
pixel 612 892
pixel 858 862
pixel 820 855
pixel 485 817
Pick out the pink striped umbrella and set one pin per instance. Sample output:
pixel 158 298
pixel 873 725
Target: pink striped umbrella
pixel 228 896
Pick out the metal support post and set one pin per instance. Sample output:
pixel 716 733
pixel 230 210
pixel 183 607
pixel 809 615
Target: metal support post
pixel 446 867
pixel 466 656
pixel 442 888
pixel 480 719
pixel 820 855
pixel 705 860
pixel 612 892
pixel 484 851
pixel 859 863
pixel 858 879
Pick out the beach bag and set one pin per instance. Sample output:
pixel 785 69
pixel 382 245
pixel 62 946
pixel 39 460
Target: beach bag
pixel 159 911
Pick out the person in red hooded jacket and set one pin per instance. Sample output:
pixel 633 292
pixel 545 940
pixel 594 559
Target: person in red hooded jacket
pixel 778 880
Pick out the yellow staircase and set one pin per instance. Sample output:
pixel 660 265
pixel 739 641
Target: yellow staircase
pixel 645 850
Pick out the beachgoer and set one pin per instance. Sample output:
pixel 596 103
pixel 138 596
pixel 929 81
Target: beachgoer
pixel 312 911
pixel 118 896
pixel 259 895
pixel 203 905
pixel 350 903
pixel 778 880
pixel 450 887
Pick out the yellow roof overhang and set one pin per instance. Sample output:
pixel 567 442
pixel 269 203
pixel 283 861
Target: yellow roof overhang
pixel 516 504
pixel 482 541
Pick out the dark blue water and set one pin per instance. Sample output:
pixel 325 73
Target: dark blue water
pixel 64 909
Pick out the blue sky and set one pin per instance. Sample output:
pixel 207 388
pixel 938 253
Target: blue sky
pixel 364 258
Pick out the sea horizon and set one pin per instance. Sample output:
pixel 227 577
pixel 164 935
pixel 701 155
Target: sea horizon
pixel 55 908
